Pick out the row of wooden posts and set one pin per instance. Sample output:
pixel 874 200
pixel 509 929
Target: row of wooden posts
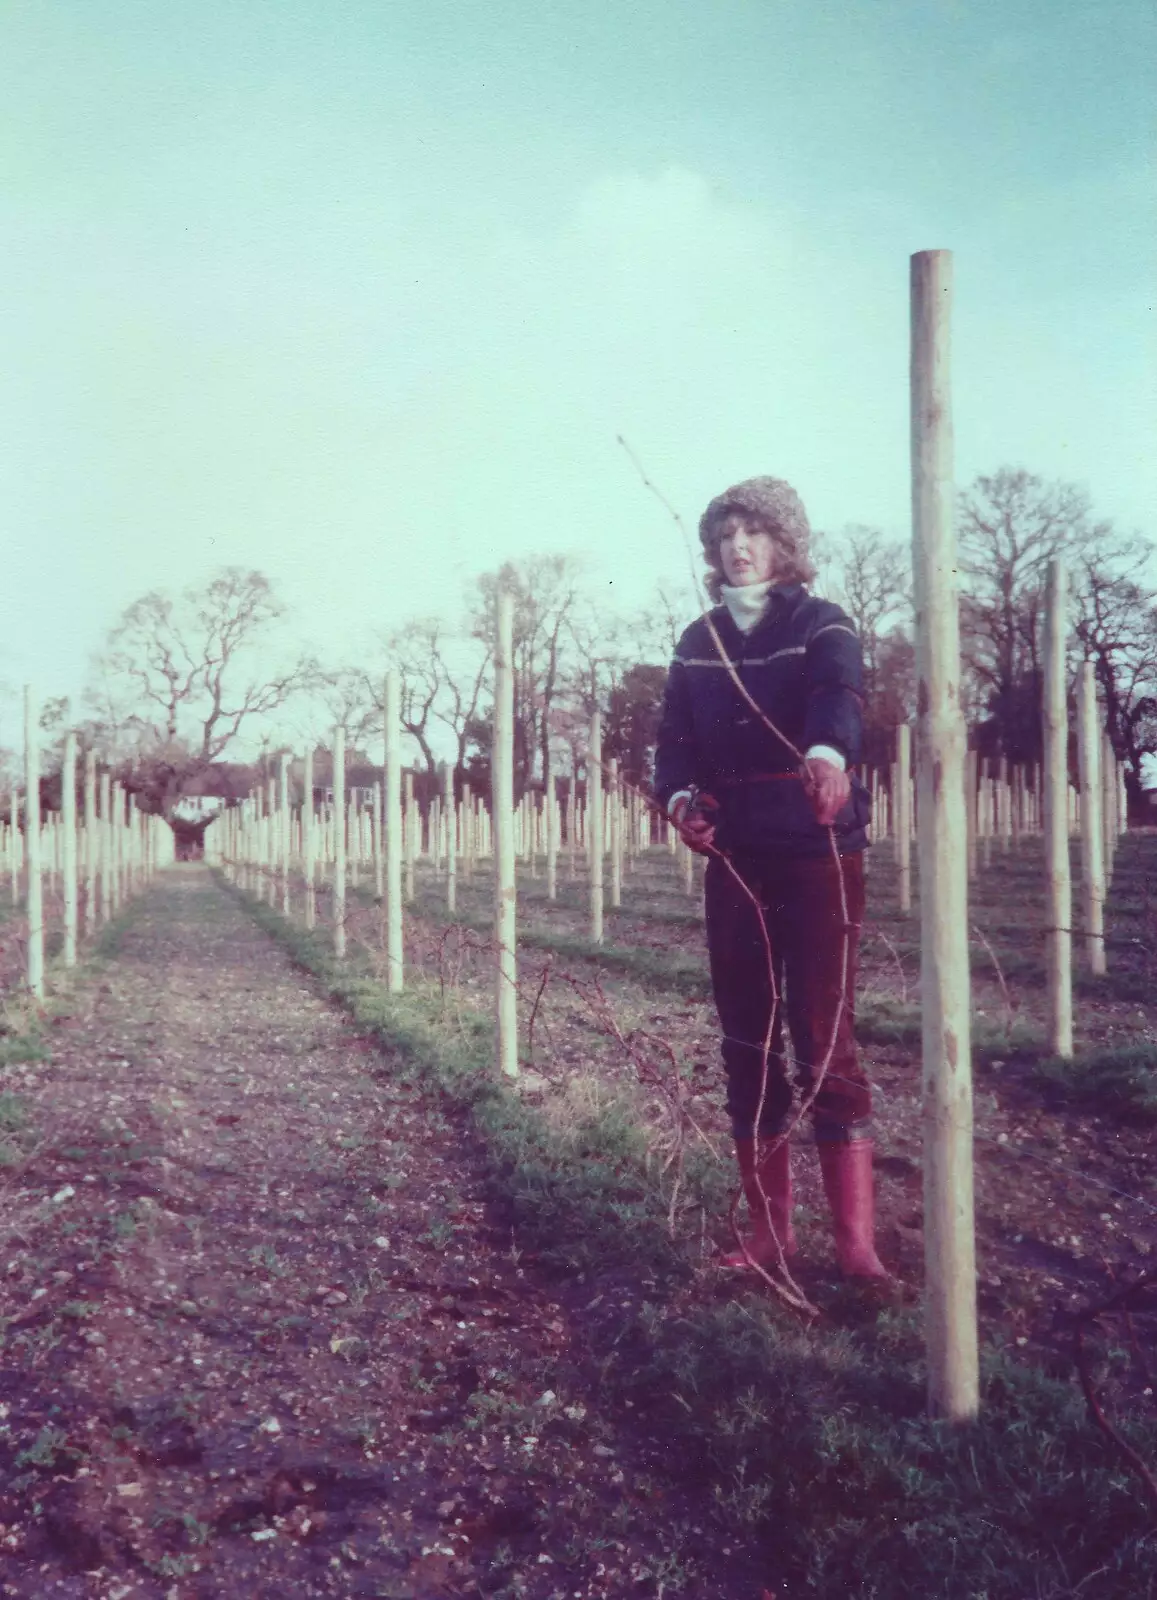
pixel 273 829
pixel 272 841
pixel 97 857
pixel 267 843
pixel 1006 804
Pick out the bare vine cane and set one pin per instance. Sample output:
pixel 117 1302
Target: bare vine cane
pixel 1141 1295
pixel 805 777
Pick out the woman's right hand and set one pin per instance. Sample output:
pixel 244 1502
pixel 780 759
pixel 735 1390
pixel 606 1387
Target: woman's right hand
pixel 693 821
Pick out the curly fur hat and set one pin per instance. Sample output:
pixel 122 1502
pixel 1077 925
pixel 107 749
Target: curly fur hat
pixel 771 502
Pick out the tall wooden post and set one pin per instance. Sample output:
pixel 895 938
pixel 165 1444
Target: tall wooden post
pixel 283 833
pixel 33 894
pixel 595 825
pixel 614 801
pixel 1092 832
pixel 502 821
pixel 550 823
pixel 339 936
pixel 354 836
pixel 571 824
pixel 451 850
pixel 308 839
pixel 379 846
pixel 903 814
pixel 466 813
pixel 91 841
pixel 1110 822
pixel 68 843
pixel 412 829
pixel 1059 909
pixel 115 861
pixel 949 1237
pixel 395 958
pixel 104 832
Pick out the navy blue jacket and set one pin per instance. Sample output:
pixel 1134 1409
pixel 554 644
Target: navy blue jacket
pixel 802 665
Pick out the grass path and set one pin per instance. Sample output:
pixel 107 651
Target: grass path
pixel 261 1336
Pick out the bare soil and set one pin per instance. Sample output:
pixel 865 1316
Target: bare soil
pixel 267 1332
pixel 262 1337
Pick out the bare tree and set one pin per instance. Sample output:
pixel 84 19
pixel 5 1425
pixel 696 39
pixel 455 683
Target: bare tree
pixel 180 678
pixel 1010 524
pixel 416 650
pixel 874 585
pixel 545 591
pixel 603 651
pixel 661 623
pixel 1116 628
pixel 442 676
pixel 350 701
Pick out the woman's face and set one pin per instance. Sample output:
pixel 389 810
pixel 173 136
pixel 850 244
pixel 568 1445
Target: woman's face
pixel 747 553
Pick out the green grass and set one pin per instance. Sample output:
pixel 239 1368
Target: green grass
pixel 1121 1080
pixel 811 1444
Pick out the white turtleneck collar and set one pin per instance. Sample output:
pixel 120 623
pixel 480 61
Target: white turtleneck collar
pixel 746 603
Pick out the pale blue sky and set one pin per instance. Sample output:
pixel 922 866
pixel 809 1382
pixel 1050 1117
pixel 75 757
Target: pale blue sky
pixel 360 293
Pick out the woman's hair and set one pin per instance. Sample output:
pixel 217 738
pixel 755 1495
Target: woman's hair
pixel 766 503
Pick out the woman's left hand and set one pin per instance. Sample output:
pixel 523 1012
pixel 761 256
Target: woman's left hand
pixel 828 788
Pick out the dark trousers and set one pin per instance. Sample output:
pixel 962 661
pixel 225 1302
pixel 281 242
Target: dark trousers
pixel 802 912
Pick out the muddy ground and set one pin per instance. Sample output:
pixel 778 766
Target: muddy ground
pixel 266 1332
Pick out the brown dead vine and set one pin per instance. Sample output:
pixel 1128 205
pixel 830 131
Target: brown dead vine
pixel 656 1068
pixel 1136 1298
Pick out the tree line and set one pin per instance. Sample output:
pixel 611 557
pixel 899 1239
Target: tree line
pixel 185 682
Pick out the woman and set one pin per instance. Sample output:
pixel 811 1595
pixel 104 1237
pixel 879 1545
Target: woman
pixel 785 837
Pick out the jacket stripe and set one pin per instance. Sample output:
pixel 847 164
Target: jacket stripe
pixel 828 627
pixel 744 661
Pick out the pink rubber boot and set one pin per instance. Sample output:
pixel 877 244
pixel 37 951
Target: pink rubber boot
pixel 847 1175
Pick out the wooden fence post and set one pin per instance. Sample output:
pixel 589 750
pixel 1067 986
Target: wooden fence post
pixel 595 825
pixel 550 823
pixel 308 836
pixel 91 841
pixel 571 823
pixel 1110 822
pixel 1092 834
pixel 466 815
pixel 502 821
pixel 379 846
pixel 104 833
pixel 451 843
pixel 33 893
pixel 339 938
pixel 411 833
pixel 392 798
pixel 614 801
pixel 903 813
pixel 68 842
pixel 1059 910
pixel 283 832
pixel 949 1237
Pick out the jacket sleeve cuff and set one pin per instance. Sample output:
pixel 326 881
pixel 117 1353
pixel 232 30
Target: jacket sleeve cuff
pixel 827 752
